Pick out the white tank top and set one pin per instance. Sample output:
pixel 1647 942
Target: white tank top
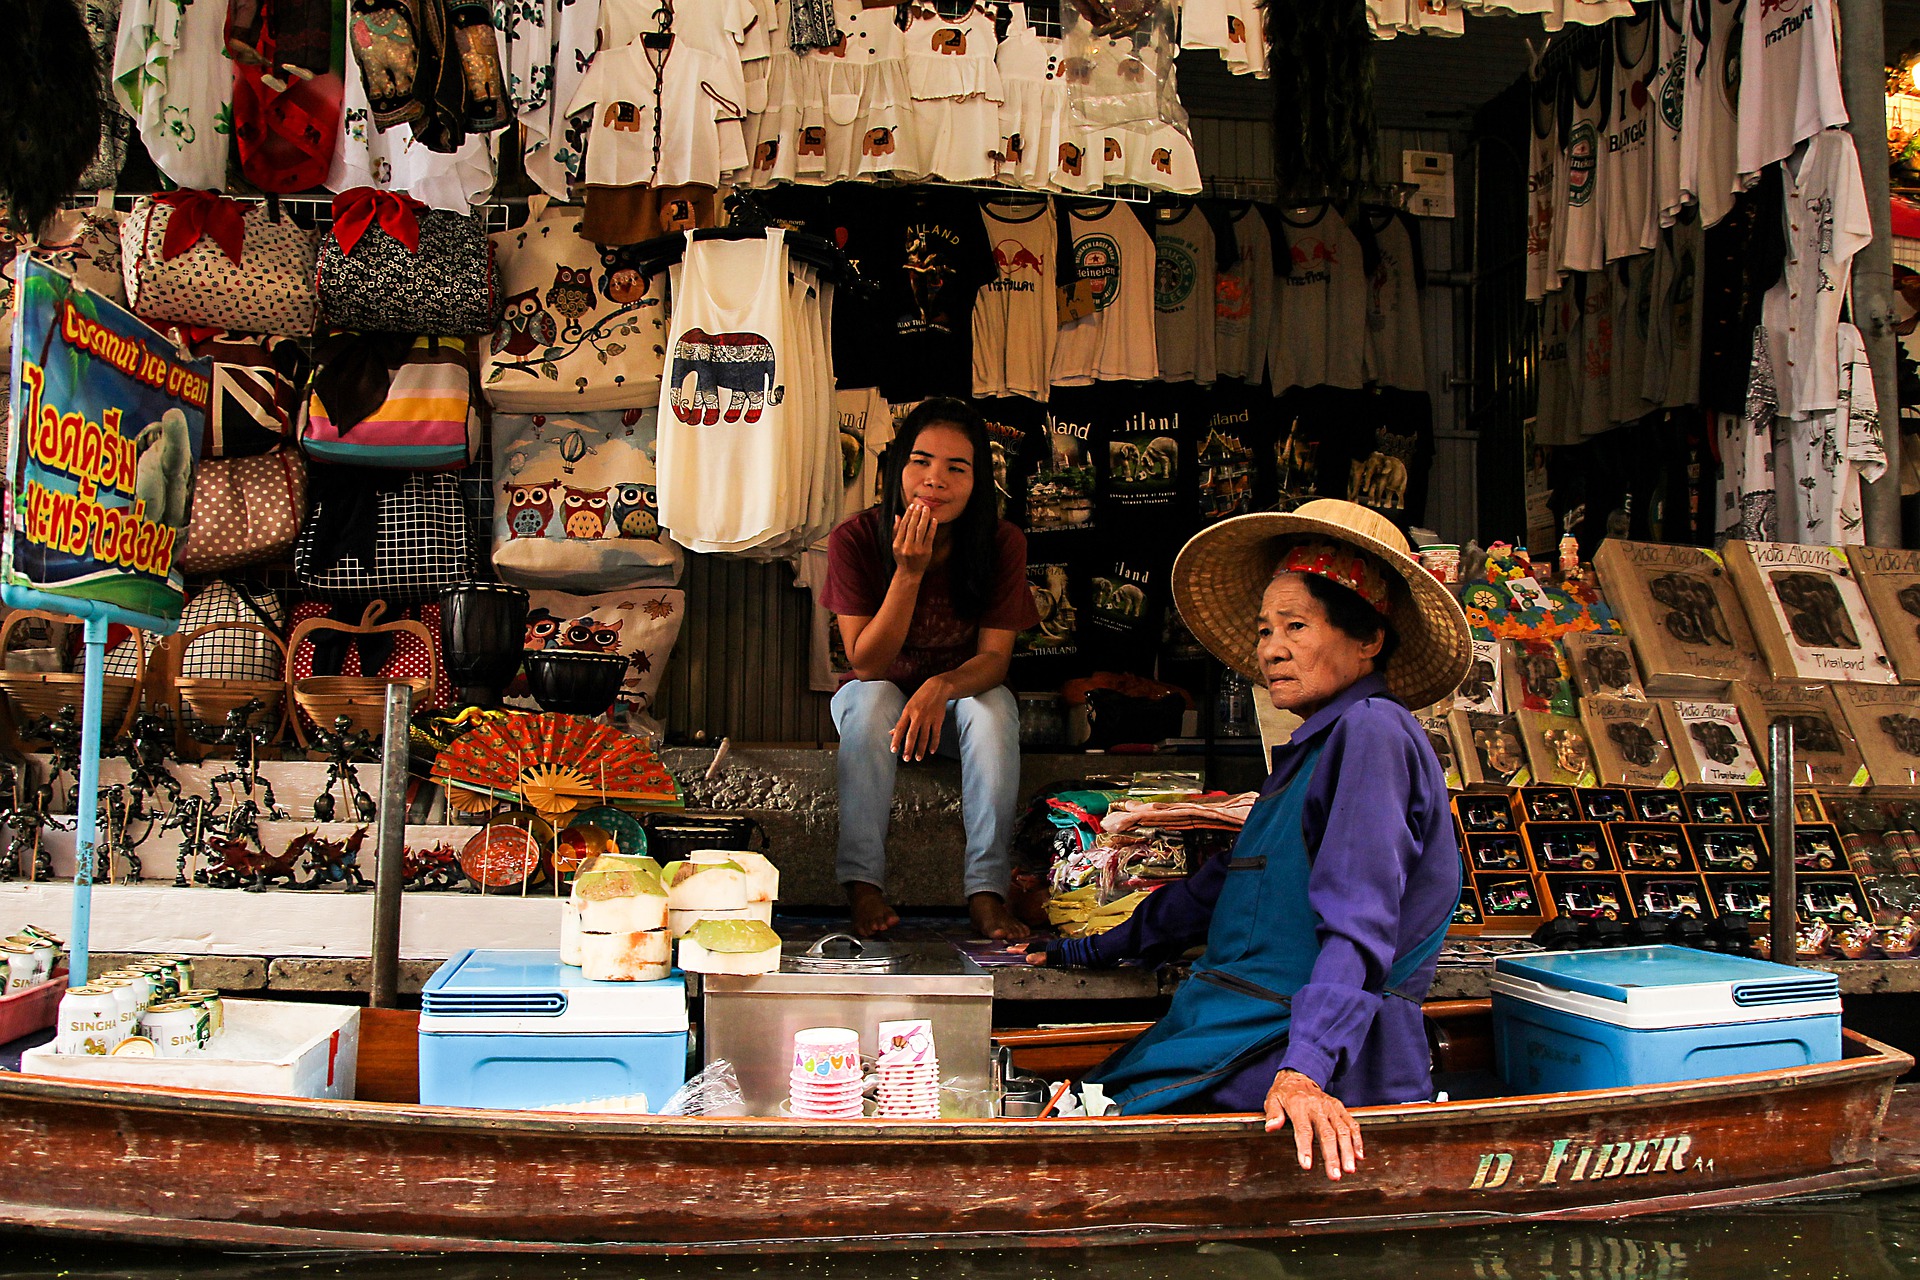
pixel 1709 134
pixel 1626 161
pixel 728 458
pixel 1789 79
pixel 1583 248
pixel 1668 90
pixel 1546 192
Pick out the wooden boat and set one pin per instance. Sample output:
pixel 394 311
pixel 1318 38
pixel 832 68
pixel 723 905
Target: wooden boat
pixel 193 1168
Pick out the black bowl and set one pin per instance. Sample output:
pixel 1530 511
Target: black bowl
pixel 573 683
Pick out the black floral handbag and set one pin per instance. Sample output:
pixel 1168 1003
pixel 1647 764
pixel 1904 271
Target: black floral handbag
pixel 392 265
pixel 399 537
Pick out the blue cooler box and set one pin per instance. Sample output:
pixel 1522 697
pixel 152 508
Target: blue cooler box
pixel 1568 1020
pixel 518 1030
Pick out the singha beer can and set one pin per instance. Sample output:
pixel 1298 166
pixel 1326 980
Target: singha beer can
pixel 44 952
pixel 164 978
pixel 89 1021
pixel 21 964
pixel 129 995
pixel 142 984
pixel 216 1008
pixel 177 1027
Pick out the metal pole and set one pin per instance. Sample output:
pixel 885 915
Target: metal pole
pixel 1780 795
pixel 93 684
pixel 390 857
pixel 1863 83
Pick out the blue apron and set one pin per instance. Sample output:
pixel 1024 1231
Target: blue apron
pixel 1262 943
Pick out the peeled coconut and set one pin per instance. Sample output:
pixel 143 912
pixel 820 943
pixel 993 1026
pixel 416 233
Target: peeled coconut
pixel 641 956
pixel 739 947
pixel 569 934
pixel 683 922
pixel 763 878
pixel 621 861
pixel 700 885
pixel 619 900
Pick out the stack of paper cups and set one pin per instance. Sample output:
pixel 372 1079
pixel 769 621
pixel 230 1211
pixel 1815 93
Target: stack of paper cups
pixel 826 1074
pixel 909 1071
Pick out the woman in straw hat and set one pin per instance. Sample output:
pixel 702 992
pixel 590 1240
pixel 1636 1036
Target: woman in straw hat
pixel 1322 924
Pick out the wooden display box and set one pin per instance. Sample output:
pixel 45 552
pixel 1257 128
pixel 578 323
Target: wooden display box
pixel 1629 742
pixel 1605 804
pixel 1438 723
pixel 1549 804
pixel 1714 808
pixel 1711 744
pixel 1492 753
pixel 1667 896
pixel 1658 804
pixel 1568 846
pixel 1603 666
pixel 1482 811
pixel 1728 850
pixel 1824 752
pixel 1807 612
pixel 1484 689
pixel 1653 848
pixel 1747 896
pixel 1689 631
pixel 1818 849
pixel 1510 902
pixel 1588 896
pixel 1885 720
pixel 1834 899
pixel 1557 749
pixel 1496 851
pixel 1467 921
pixel 1890 583
pixel 1538 677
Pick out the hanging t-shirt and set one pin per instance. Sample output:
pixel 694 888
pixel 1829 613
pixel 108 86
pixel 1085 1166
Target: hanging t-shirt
pixel 1320 321
pixel 1061 471
pixel 661 117
pixel 1789 80
pixel 1143 478
pixel 866 429
pixel 172 75
pixel 1016 320
pixel 1593 387
pixel 1555 421
pixel 1243 299
pixel 1831 452
pixel 1741 259
pixel 1546 193
pixel 1584 242
pixel 1013 422
pixel 1227 429
pixel 1396 354
pixel 1128 591
pixel 1115 342
pixel 1709 129
pixel 937 257
pixel 1671 376
pixel 1749 495
pixel 1626 161
pixel 395 160
pixel 1183 296
pixel 1827 223
pixel 1633 282
pixel 1668 90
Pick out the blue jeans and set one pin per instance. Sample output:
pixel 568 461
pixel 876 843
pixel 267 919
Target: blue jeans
pixel 983 732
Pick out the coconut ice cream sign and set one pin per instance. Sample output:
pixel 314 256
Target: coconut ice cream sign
pixel 109 415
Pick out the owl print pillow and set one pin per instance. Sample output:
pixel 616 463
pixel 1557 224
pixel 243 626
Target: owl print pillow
pixel 581 330
pixel 640 623
pixel 574 505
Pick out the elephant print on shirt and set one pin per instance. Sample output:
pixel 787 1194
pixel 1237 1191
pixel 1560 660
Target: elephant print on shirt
pixel 743 364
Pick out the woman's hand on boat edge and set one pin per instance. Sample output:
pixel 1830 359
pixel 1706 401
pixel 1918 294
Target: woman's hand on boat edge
pixel 1314 1113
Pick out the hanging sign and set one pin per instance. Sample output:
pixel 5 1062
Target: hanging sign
pixel 108 417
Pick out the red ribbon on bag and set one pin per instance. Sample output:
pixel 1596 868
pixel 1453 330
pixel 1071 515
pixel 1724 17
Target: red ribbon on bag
pixel 202 214
pixel 358 209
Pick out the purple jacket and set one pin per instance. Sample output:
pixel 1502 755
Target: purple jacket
pixel 1386 872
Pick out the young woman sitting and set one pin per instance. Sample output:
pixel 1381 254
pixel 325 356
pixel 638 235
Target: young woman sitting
pixel 929 589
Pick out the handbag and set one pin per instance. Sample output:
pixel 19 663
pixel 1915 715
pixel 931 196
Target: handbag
pixel 233 654
pixel 285 119
pixel 579 330
pixel 246 511
pixel 402 537
pixel 419 416
pixel 198 258
pixel 574 506
pixel 640 624
pixel 85 243
pixel 255 396
pixel 392 265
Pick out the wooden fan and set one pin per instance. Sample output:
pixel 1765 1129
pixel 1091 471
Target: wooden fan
pixel 555 763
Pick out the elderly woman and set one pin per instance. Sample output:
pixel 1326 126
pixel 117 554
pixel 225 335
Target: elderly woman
pixel 1323 922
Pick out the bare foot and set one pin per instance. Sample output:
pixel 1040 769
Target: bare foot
pixel 871 914
pixel 993 919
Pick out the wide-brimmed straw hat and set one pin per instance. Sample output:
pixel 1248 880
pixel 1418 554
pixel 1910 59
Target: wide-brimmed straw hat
pixel 1223 571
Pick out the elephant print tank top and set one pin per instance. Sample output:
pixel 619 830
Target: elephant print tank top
pixel 730 441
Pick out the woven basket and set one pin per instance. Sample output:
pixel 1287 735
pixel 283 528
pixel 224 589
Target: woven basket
pixel 33 694
pixel 207 700
pixel 361 699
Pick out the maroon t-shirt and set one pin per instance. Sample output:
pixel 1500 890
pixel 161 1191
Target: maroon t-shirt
pixel 938 639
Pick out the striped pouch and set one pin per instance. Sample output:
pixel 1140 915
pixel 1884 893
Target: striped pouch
pixel 426 421
pixel 256 390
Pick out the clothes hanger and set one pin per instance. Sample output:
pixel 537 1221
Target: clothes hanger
pixel 747 220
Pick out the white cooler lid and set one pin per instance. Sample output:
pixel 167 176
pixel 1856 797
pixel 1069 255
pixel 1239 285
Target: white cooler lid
pixel 1658 988
pixel 532 993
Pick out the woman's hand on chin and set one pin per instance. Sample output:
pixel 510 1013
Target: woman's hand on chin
pixel 916 735
pixel 1315 1114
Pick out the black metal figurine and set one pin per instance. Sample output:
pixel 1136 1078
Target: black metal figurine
pixel 341 749
pixel 248 741
pixel 188 817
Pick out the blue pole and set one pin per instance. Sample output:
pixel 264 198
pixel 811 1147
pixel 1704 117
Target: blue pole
pixel 89 797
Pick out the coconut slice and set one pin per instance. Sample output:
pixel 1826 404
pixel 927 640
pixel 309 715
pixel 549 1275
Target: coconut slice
pixel 603 884
pixel 681 922
pixel 709 886
pixel 644 956
pixel 569 934
pixel 739 947
pixel 763 878
pixel 626 861
pixel 638 914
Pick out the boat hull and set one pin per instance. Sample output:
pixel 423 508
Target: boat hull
pixel 210 1169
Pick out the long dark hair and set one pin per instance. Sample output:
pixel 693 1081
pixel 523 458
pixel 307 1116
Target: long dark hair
pixel 972 561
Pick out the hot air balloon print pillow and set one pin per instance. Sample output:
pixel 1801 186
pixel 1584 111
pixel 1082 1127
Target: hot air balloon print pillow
pixel 574 502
